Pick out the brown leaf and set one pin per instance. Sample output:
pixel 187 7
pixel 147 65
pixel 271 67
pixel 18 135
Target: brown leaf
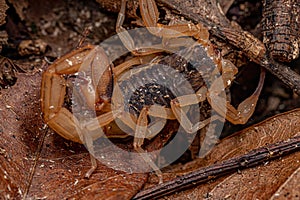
pixel 275 129
pixel 290 189
pixel 260 182
pixel 257 183
pixel 37 163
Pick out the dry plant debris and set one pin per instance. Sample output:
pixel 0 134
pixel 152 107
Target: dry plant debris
pixel 281 27
pixel 37 163
pixel 3 8
pixel 3 34
pixel 260 182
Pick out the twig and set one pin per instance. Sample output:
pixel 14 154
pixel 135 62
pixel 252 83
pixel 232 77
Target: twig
pixel 208 13
pixel 253 158
pixel 221 27
pixel 36 159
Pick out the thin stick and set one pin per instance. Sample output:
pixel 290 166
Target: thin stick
pixel 221 27
pixel 82 39
pixel 251 159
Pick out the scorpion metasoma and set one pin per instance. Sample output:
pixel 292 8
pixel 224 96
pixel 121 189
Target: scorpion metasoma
pixel 148 98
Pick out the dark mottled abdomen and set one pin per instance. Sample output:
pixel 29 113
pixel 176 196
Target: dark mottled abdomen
pixel 158 83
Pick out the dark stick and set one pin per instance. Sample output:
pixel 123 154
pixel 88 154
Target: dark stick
pixel 253 158
pixel 209 14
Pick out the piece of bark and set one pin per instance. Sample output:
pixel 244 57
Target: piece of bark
pixel 3 34
pixel 3 8
pixel 281 28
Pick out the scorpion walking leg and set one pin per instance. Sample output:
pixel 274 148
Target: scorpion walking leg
pixel 139 137
pixel 88 140
pixel 186 100
pixel 140 127
pixel 127 39
pixel 150 15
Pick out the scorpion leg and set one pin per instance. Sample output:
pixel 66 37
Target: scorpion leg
pixel 160 111
pixel 186 100
pixel 150 17
pixel 127 39
pixel 95 125
pixel 118 70
pixel 140 134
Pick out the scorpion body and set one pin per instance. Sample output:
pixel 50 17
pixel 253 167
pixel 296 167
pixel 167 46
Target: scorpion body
pixel 143 89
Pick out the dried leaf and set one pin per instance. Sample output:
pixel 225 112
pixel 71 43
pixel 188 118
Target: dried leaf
pixel 3 34
pixel 37 163
pixel 260 182
pixel 275 129
pixel 290 189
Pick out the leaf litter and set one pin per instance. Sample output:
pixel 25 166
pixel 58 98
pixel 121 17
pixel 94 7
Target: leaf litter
pixel 37 163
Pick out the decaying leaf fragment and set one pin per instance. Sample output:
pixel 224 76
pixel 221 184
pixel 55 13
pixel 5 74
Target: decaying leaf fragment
pixel 263 181
pixel 290 189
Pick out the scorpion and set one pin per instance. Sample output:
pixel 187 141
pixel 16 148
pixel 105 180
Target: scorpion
pixel 149 99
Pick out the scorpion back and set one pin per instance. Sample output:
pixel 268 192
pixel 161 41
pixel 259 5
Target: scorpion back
pixel 157 83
